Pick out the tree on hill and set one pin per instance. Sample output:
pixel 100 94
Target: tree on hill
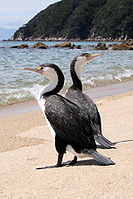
pixel 114 19
pixel 81 19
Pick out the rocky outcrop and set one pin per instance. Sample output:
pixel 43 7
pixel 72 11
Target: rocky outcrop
pixel 64 45
pixel 75 47
pixel 101 46
pixel 127 45
pixel 21 46
pixel 14 46
pixel 40 45
pixel 67 45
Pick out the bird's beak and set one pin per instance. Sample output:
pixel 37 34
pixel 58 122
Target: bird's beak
pixel 98 54
pixel 91 56
pixel 37 69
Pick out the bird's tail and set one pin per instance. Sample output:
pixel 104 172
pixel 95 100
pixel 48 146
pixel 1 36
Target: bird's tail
pixel 104 141
pixel 98 157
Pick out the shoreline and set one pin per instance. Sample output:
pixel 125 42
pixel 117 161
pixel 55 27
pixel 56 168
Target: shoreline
pixel 69 40
pixel 94 93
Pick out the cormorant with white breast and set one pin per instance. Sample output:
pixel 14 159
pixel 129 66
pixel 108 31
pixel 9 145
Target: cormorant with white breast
pixel 75 94
pixel 70 127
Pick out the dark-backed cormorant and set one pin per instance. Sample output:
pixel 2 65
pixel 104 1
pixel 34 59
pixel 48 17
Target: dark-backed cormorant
pixel 69 126
pixel 75 94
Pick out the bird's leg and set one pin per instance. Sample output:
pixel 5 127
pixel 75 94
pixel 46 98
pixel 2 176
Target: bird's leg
pixel 60 164
pixel 72 162
pixel 59 161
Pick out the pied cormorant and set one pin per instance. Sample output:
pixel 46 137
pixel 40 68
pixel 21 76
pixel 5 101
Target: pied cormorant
pixel 69 126
pixel 75 94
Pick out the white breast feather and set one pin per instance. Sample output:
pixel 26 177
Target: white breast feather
pixel 41 103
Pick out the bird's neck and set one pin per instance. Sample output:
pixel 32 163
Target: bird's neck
pixel 45 91
pixel 54 86
pixel 76 70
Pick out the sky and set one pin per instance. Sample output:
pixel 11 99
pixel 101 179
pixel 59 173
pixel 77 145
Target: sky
pixel 16 13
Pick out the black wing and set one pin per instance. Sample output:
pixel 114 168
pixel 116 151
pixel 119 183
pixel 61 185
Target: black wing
pixel 86 103
pixel 69 122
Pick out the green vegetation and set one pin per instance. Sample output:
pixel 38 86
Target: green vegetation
pixel 114 19
pixel 81 19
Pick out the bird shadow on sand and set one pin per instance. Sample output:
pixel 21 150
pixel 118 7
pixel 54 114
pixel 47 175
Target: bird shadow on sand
pixel 90 162
pixel 123 141
pixel 102 147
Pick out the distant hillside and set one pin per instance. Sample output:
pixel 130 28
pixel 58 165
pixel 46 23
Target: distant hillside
pixel 81 19
pixel 114 19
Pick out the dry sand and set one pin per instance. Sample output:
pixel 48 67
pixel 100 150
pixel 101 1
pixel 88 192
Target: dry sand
pixel 26 143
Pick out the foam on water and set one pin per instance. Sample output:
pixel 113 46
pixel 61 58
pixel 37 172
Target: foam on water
pixel 127 74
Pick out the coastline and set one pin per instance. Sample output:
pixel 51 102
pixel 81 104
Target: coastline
pixel 70 40
pixel 26 144
pixel 94 93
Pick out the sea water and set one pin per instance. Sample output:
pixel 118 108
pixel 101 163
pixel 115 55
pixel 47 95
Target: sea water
pixel 17 85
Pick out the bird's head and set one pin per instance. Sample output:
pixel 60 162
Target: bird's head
pixel 86 57
pixel 47 70
pixel 55 76
pixel 79 61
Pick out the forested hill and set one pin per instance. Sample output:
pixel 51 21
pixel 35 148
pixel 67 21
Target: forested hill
pixel 81 19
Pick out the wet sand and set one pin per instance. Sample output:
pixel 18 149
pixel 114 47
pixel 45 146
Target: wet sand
pixel 26 144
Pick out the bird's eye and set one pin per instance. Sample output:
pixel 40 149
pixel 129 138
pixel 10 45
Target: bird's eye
pixel 39 68
pixel 88 55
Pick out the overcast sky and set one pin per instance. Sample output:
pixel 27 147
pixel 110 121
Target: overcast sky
pixel 15 13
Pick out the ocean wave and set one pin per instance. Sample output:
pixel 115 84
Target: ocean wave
pixel 10 96
pixel 127 74
pixel 108 78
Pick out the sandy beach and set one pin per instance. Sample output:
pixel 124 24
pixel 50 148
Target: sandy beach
pixel 26 144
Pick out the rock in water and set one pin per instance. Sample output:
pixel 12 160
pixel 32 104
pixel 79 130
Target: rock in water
pixel 64 45
pixel 40 45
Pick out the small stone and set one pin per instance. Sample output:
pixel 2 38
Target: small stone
pixel 64 45
pixel 23 46
pixel 40 45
